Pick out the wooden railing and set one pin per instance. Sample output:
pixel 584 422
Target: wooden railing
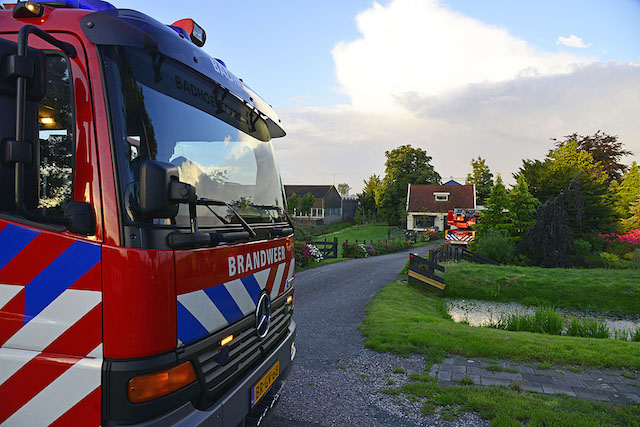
pixel 451 252
pixel 423 271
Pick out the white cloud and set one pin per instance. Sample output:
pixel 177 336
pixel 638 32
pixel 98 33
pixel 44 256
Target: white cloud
pixel 456 87
pixel 301 99
pixel 420 46
pixel 572 41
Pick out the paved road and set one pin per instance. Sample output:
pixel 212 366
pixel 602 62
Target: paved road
pixel 335 380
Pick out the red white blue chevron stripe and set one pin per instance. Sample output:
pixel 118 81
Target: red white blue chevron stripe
pixel 50 328
pixel 465 238
pixel 205 311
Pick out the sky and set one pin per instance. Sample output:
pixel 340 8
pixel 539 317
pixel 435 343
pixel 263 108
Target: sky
pixel 457 78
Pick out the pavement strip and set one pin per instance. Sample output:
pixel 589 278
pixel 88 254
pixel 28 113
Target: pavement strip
pixel 605 385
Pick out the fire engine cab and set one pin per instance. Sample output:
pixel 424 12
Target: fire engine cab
pixel 146 259
pixel 461 222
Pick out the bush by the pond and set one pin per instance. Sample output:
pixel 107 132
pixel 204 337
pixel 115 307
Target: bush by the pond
pixel 542 321
pixel 496 246
pixel 548 321
pixel 587 328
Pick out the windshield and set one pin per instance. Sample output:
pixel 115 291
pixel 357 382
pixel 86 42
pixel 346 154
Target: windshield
pixel 163 111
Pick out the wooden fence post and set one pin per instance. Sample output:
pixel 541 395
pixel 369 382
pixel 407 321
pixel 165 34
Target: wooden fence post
pixel 432 257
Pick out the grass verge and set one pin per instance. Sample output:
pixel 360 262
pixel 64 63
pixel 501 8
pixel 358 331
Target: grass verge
pixel 600 289
pixel 512 408
pixel 403 319
pixel 367 232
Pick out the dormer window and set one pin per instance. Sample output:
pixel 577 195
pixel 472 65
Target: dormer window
pixel 441 197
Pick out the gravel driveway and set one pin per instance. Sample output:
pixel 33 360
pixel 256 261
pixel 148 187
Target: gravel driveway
pixel 335 380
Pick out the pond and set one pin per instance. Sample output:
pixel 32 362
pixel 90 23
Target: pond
pixel 486 313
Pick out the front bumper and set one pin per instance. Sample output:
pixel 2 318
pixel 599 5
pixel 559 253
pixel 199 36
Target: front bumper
pixel 232 408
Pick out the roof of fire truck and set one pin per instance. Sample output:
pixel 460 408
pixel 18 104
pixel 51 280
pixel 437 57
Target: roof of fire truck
pixel 124 27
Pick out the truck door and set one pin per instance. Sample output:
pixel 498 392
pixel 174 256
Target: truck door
pixel 50 279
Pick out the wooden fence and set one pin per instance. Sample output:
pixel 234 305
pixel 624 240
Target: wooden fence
pixel 423 271
pixel 451 252
pixel 328 248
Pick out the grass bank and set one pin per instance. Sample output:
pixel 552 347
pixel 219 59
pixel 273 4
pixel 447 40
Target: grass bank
pixel 511 408
pixel 600 289
pixel 403 319
pixel 377 232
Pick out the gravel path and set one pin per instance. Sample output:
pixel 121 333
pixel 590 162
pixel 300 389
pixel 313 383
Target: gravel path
pixel 335 380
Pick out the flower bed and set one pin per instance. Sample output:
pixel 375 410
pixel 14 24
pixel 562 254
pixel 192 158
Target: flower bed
pixel 632 237
pixel 305 254
pixel 359 250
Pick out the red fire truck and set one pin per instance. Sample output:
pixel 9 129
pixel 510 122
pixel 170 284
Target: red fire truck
pixel 146 260
pixel 462 222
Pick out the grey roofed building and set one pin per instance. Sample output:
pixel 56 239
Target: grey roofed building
pixel 327 206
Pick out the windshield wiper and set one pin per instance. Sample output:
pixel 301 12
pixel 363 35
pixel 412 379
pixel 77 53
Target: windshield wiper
pixel 211 202
pixel 278 208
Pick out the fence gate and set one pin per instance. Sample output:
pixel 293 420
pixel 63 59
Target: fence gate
pixel 423 271
pixel 328 249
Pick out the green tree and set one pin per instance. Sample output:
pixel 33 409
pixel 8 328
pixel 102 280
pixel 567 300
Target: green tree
pixel 633 222
pixel 567 163
pixel 358 218
pixel 533 172
pixel 405 165
pixel 522 206
pixel 344 189
pixel 367 199
pixel 550 242
pixel 482 178
pixel 628 191
pixel 605 149
pixel 496 217
pixel 293 203
pixel 306 203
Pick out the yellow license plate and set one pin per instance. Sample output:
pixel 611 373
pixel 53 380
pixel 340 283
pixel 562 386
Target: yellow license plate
pixel 263 385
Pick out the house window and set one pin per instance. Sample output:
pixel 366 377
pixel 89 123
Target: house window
pixel 424 221
pixel 441 197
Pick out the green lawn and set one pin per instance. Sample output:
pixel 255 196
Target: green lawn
pixel 304 232
pixel 602 289
pixel 366 232
pixel 511 408
pixel 403 319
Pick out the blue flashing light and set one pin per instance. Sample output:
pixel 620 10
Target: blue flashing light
pixel 181 31
pixel 94 5
pixel 222 62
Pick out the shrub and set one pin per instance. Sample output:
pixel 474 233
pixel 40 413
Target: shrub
pixel 543 320
pixel 302 254
pixel 359 250
pixel 583 247
pixel 636 259
pixel 587 328
pixel 351 250
pixel 496 246
pixel 609 259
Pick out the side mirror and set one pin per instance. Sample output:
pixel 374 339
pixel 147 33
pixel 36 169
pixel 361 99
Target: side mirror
pixel 81 218
pixel 160 191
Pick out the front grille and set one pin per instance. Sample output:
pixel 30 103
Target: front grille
pixel 217 370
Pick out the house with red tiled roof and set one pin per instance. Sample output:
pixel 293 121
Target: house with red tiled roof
pixel 428 205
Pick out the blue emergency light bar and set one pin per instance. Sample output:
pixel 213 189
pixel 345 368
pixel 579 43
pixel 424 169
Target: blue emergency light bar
pixel 95 5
